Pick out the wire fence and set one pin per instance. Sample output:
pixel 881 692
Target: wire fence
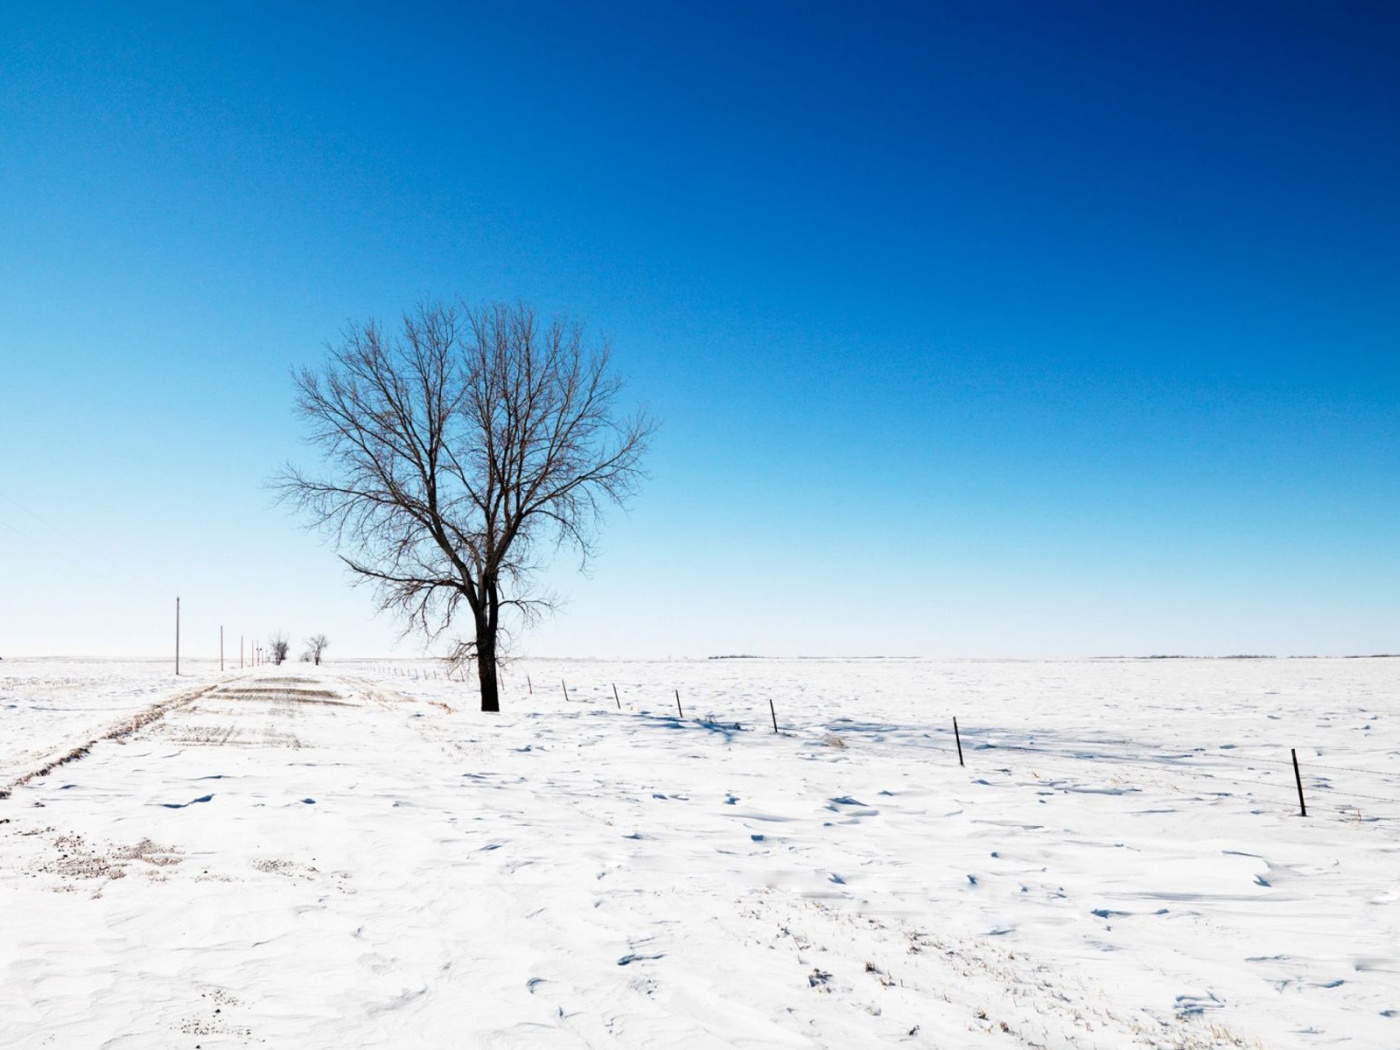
pixel 1346 792
pixel 1340 786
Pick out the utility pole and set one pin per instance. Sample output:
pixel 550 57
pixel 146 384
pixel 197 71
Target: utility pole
pixel 177 636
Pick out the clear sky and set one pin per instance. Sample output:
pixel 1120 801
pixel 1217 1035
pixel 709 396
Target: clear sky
pixel 975 329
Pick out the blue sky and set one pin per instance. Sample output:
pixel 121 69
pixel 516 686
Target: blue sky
pixel 975 329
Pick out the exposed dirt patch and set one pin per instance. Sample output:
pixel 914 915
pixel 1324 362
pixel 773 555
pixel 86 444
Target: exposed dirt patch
pixel 149 853
pixel 276 691
pixel 276 738
pixel 213 735
pixel 75 858
pixel 291 869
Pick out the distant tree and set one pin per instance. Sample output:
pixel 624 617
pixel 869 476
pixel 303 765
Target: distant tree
pixel 315 646
pixel 459 448
pixel 277 648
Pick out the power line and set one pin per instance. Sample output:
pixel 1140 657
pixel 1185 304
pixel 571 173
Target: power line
pixel 99 568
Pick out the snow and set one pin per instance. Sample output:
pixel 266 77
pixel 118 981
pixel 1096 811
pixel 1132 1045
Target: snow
pixel 352 856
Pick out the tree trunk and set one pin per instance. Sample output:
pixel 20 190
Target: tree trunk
pixel 486 666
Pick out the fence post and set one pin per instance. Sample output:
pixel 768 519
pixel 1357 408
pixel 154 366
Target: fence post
pixel 774 712
pixel 1297 776
pixel 958 737
pixel 616 697
pixel 679 712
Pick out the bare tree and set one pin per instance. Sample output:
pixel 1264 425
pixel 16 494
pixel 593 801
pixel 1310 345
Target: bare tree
pixel 459 447
pixel 315 646
pixel 277 647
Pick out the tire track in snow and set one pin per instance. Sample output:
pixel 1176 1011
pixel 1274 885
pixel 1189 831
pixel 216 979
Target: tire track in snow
pixel 118 731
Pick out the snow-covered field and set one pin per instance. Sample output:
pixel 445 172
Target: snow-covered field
pixel 351 856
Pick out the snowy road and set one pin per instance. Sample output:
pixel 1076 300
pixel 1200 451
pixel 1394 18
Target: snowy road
pixel 352 859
